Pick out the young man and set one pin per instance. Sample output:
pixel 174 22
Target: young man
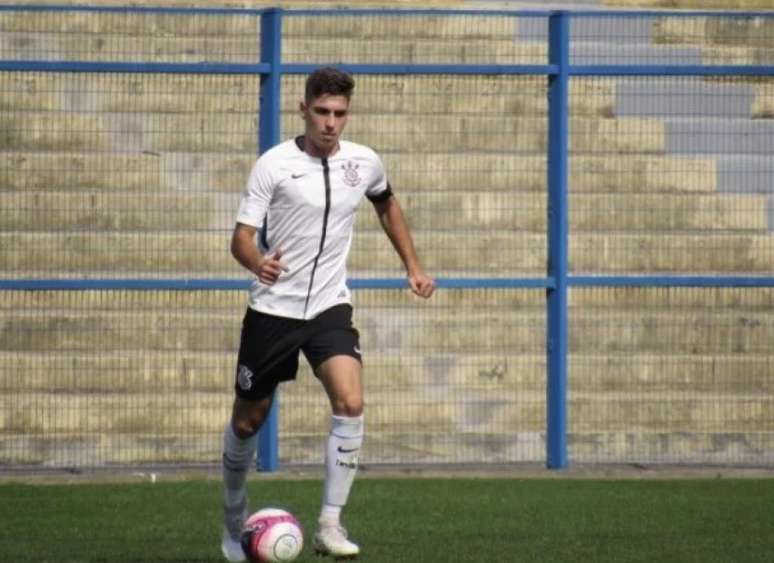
pixel 293 232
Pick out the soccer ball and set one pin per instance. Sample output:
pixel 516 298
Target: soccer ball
pixel 272 535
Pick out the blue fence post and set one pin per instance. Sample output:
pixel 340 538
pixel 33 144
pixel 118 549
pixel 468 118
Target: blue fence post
pixel 268 136
pixel 556 305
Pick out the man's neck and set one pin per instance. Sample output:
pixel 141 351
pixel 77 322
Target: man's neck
pixel 313 150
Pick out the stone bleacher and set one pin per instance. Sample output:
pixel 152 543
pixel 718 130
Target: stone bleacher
pixel 139 176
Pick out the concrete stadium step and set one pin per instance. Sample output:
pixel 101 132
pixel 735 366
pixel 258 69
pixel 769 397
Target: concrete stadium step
pixel 406 49
pixel 224 132
pixel 685 4
pixel 745 34
pixel 206 331
pixel 186 93
pixel 499 133
pixel 421 330
pixel 402 49
pixel 695 100
pixel 497 253
pixel 130 371
pixel 115 211
pixel 739 55
pixel 136 253
pixel 134 23
pixel 105 211
pixel 135 371
pixel 194 25
pixel 732 300
pixel 452 94
pixel 763 102
pixel 129 92
pixel 70 170
pixel 746 173
pixel 522 444
pixel 597 300
pixel 588 212
pixel 84 413
pixel 426 26
pixel 658 39
pixel 475 252
pixel 723 136
pixel 598 51
pixel 54 45
pixel 588 172
pixel 127 131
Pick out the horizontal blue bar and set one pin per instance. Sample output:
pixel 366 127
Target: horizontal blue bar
pixel 456 283
pixel 383 11
pixel 135 67
pixel 263 68
pixel 671 281
pixel 425 69
pixel 416 12
pixel 121 284
pixel 236 284
pixel 395 283
pixel 671 70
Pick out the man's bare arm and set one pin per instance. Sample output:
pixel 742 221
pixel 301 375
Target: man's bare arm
pixel 394 224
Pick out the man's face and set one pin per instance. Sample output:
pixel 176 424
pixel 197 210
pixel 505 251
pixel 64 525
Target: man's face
pixel 325 119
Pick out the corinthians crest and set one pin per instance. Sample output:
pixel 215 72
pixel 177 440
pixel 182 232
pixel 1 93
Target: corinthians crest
pixel 351 177
pixel 244 377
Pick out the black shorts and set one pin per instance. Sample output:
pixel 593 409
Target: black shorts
pixel 268 350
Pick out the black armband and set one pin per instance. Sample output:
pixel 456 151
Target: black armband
pixel 382 196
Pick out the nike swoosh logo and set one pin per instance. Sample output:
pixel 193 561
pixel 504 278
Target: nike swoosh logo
pixel 347 451
pixel 298 175
pixel 356 349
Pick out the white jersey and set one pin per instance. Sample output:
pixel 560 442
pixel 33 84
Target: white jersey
pixel 306 207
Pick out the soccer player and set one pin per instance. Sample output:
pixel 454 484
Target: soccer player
pixel 293 232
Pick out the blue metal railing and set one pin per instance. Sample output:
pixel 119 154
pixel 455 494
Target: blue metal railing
pixel 559 72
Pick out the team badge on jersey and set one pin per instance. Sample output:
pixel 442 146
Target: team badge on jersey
pixel 244 377
pixel 351 177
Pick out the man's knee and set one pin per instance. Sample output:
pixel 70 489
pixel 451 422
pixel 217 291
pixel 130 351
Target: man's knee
pixel 350 406
pixel 244 428
pixel 247 417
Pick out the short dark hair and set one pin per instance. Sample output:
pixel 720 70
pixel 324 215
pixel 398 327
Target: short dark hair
pixel 328 80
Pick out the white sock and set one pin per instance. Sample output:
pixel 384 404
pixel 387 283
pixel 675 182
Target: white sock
pixel 341 459
pixel 237 456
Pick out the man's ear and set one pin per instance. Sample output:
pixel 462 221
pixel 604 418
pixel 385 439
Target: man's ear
pixel 303 108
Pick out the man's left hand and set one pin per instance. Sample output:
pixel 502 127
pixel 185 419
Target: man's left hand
pixel 421 285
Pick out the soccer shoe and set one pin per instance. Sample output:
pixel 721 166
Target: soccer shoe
pixel 233 519
pixel 332 541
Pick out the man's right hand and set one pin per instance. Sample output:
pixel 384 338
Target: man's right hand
pixel 271 267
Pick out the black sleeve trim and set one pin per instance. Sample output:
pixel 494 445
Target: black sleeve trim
pixel 382 196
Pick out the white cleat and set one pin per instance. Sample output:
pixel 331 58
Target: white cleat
pixel 233 520
pixel 232 549
pixel 331 541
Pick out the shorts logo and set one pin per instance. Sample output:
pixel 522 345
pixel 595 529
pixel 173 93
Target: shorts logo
pixel 351 177
pixel 244 377
pixel 356 349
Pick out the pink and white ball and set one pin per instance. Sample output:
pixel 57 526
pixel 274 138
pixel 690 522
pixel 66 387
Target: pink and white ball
pixel 272 535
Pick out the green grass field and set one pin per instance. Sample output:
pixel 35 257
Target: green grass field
pixel 407 519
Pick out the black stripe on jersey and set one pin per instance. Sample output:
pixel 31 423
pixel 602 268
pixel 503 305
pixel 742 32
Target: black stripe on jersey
pixel 264 240
pixel 380 197
pixel 327 178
